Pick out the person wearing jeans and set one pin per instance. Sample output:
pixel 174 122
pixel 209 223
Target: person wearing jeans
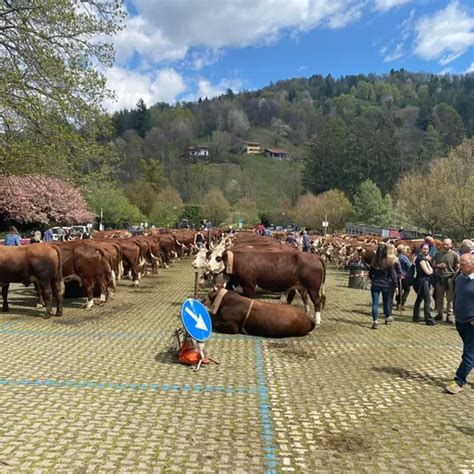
pixel 464 313
pixel 384 279
pixel 422 286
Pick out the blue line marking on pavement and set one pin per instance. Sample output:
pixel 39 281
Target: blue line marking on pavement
pixel 9 323
pixel 144 387
pixel 269 458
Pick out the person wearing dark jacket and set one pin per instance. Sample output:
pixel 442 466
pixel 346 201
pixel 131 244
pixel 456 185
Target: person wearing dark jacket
pixel 464 313
pixel 384 279
pixel 422 286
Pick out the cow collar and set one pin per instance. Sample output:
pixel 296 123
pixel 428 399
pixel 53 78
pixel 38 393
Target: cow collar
pixel 242 327
pixel 218 300
pixel 229 266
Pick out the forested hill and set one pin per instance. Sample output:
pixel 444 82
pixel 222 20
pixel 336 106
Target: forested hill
pixel 346 129
pixel 338 133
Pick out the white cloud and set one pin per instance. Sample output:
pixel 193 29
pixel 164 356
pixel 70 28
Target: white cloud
pixel 164 30
pixel 385 5
pixel 389 56
pixel 446 35
pixel 206 89
pixel 130 86
pixel 470 68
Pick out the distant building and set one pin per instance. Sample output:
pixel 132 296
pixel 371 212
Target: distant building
pixel 277 153
pixel 197 152
pixel 251 148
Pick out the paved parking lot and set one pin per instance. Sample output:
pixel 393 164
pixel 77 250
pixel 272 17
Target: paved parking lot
pixel 98 391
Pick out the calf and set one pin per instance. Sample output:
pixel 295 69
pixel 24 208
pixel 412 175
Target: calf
pixel 232 313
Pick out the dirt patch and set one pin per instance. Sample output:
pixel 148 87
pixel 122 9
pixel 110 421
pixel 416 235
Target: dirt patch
pixel 294 351
pixel 346 442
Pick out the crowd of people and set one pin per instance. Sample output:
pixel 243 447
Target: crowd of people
pixel 442 276
pixel 13 237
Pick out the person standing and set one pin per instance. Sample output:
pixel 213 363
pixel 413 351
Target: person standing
pixel 405 264
pixel 306 242
pixel 467 246
pixel 36 239
pixel 464 313
pixel 445 265
pixel 13 237
pixel 384 280
pixel 422 286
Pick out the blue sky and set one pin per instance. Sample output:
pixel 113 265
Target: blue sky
pixel 175 50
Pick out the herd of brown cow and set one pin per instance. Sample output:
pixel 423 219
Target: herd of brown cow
pixel 96 264
pixel 241 263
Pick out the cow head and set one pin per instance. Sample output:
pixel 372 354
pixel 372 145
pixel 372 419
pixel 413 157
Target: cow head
pixel 201 259
pixel 216 263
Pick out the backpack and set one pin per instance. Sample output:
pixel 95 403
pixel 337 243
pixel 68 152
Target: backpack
pixel 410 276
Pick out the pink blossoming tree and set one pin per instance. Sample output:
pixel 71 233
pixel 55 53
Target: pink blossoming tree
pixel 42 200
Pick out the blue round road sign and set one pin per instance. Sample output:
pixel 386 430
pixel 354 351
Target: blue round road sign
pixel 196 320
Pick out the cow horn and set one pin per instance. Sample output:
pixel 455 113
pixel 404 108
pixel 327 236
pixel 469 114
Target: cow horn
pixel 154 257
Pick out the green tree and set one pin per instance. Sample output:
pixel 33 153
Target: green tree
pixel 432 147
pixel 115 206
pixel 450 209
pixel 216 208
pixel 51 88
pixel 167 208
pixel 192 214
pixel 142 118
pixel 333 206
pixel 245 210
pixel 449 124
pixel 371 207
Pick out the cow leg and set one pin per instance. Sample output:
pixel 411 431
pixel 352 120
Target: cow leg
pixel 249 290
pixel 315 298
pixel 304 297
pixel 40 303
pixel 58 291
pixel 102 284
pixel 5 297
pixel 48 298
pixel 290 296
pixel 89 289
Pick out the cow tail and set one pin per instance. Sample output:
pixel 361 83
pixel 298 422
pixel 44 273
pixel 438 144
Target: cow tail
pixel 59 271
pixel 322 292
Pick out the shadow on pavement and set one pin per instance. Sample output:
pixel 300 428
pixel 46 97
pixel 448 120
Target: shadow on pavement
pixel 407 374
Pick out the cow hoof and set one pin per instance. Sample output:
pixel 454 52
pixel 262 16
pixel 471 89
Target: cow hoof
pixel 58 314
pixel 46 316
pixel 5 309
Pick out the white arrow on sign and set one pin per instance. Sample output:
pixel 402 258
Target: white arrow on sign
pixel 200 324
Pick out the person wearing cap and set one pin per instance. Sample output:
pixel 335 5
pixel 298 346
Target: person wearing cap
pixel 422 286
pixel 445 265
pixel 464 312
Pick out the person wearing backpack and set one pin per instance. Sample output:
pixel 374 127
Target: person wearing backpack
pixel 406 266
pixel 384 280
pixel 422 286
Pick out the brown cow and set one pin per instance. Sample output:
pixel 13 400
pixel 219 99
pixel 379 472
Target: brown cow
pixel 39 264
pixel 85 263
pixel 232 313
pixel 274 271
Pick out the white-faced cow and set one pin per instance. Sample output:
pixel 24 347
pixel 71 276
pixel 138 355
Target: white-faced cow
pixel 276 271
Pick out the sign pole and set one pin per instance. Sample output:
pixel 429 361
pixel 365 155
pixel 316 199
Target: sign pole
pixel 196 277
